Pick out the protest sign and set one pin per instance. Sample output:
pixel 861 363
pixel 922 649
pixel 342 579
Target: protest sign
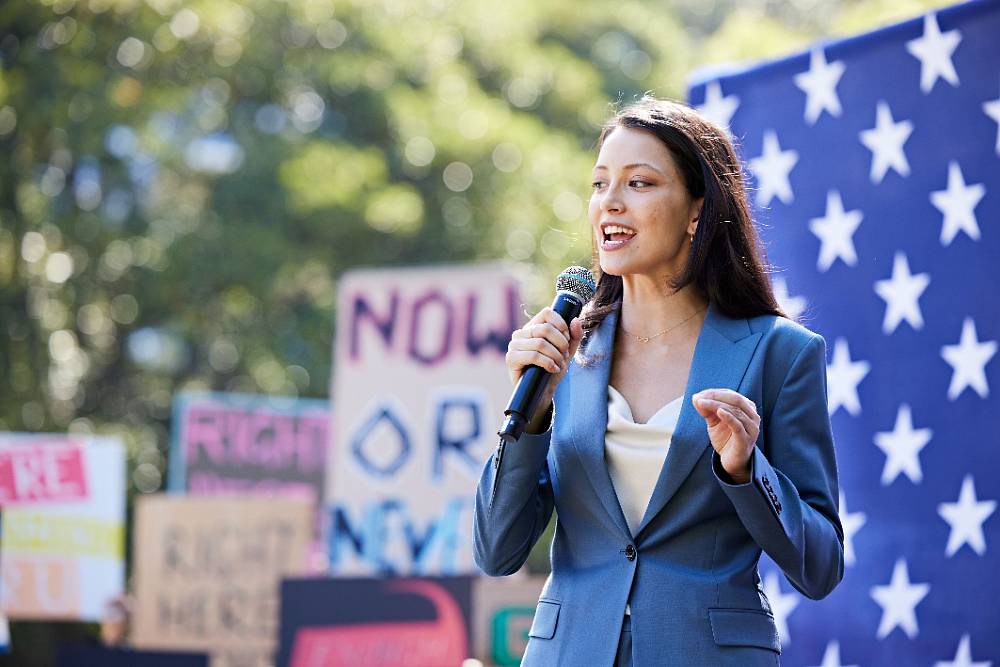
pixel 207 572
pixel 374 622
pixel 502 612
pixel 420 384
pixel 242 443
pixel 63 547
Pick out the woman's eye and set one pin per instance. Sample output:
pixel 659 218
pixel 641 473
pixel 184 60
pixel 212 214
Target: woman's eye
pixel 635 183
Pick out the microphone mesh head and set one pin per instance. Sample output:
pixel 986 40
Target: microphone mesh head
pixel 579 281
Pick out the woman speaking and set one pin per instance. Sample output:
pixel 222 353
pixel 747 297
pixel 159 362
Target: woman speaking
pixel 684 428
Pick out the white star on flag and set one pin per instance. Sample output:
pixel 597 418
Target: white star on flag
pixel 851 523
pixel 899 600
pixel 992 109
pixel 902 448
pixel 963 656
pixel 885 141
pixel 843 377
pixel 966 517
pixel 717 108
pixel 902 293
pixel 831 657
pixel 792 305
pixel 820 86
pixel 836 233
pixel 771 169
pixel 934 50
pixel 958 204
pixel 782 605
pixel 968 361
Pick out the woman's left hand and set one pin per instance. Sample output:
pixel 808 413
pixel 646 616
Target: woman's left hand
pixel 733 427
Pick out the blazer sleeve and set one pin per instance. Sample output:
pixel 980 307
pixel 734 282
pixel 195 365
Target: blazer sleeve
pixel 508 525
pixel 789 505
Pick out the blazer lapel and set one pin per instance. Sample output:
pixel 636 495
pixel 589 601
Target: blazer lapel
pixel 721 356
pixel 588 386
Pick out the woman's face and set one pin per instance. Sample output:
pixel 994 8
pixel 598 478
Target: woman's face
pixel 640 211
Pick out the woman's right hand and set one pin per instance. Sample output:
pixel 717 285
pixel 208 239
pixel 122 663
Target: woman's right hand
pixel 545 341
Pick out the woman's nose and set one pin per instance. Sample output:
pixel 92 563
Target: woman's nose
pixel 611 200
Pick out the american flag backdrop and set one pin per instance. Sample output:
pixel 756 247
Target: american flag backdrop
pixel 874 167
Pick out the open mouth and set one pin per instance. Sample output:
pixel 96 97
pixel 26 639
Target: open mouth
pixel 615 236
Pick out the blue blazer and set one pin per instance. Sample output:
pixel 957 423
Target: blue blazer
pixel 690 572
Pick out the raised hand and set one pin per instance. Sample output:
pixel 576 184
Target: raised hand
pixel 733 427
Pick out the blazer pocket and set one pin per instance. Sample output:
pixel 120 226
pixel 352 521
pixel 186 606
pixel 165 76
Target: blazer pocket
pixel 744 627
pixel 544 624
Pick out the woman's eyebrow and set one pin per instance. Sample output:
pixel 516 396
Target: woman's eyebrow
pixel 633 166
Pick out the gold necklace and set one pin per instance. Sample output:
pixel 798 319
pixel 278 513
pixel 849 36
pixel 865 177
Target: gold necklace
pixel 646 339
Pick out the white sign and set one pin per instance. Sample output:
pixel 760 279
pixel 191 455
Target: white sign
pixel 420 386
pixel 63 546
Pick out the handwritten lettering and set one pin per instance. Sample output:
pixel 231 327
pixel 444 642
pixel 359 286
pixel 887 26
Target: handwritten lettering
pixel 235 612
pixel 39 588
pixel 42 473
pixel 466 414
pixel 382 445
pixel 436 324
pixel 204 482
pixel 362 454
pixel 226 550
pixel 388 538
pixel 384 324
pixel 497 335
pixel 428 326
pixel 267 440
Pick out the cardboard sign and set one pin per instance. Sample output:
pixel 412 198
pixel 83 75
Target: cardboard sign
pixel 241 443
pixel 503 609
pixel 374 622
pixel 207 572
pixel 420 384
pixel 63 548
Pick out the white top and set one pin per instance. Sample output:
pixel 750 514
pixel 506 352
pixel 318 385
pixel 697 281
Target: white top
pixel 635 454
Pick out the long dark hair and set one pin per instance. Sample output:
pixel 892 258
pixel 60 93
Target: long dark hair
pixel 726 262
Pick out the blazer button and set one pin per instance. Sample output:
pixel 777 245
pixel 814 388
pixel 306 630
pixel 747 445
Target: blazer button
pixel 630 552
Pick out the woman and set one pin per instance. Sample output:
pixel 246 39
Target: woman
pixel 685 428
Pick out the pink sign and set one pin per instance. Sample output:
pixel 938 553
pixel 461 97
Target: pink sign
pixel 42 473
pixel 431 643
pixel 258 445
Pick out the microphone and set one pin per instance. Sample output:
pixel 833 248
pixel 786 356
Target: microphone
pixel 574 287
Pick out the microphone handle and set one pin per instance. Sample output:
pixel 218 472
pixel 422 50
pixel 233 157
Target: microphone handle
pixel 534 379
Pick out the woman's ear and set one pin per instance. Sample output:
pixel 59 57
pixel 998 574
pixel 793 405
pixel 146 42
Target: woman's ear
pixel 694 214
